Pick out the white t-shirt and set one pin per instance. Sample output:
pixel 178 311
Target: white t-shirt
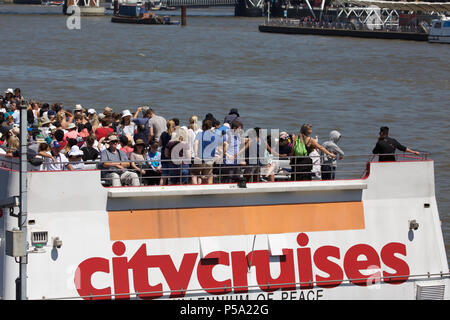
pixel 79 165
pixel 59 165
pixel 127 130
pixel 16 116
pixel 192 134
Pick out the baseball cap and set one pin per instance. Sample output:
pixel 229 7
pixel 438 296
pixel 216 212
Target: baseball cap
pixel 78 107
pixel 55 144
pixel 92 111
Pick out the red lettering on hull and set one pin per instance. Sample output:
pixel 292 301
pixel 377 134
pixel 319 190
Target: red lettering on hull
pixel 357 262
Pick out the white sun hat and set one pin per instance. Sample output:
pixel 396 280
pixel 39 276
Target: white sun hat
pixel 75 151
pixel 126 113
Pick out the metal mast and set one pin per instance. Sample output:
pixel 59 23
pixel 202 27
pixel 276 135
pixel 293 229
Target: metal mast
pixel 22 218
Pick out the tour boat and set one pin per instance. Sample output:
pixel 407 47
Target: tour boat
pixel 440 30
pixel 377 237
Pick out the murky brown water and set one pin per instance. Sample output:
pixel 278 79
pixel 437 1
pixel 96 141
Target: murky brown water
pixel 218 62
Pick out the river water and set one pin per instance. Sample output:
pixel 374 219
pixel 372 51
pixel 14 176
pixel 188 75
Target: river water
pixel 218 62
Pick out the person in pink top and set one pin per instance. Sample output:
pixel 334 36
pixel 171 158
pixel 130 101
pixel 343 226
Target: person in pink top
pixel 125 145
pixel 72 132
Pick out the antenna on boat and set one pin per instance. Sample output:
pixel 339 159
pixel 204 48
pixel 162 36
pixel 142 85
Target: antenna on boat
pixel 22 217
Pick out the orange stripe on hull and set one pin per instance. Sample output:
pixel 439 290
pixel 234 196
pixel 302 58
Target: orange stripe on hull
pixel 225 221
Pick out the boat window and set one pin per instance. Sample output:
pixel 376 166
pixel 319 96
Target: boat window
pixel 446 24
pixel 437 25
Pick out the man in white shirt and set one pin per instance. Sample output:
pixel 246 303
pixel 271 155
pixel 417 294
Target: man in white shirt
pixel 55 160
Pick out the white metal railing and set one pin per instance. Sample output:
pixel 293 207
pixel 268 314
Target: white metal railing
pixel 228 289
pixel 256 169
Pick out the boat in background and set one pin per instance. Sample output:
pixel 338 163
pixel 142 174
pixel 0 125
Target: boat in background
pixel 53 3
pixel 138 14
pixel 440 30
pixel 27 1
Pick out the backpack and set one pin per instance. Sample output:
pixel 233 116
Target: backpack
pixel 300 148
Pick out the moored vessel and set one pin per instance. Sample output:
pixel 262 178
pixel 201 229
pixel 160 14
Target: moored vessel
pixel 440 30
pixel 138 14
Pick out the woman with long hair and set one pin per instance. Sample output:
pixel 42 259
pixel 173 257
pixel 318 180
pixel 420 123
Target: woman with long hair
pixel 193 129
pixel 301 162
pixel 126 126
pixel 163 141
pixel 178 152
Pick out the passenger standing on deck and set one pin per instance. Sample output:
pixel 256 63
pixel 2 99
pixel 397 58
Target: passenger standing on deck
pixel 154 160
pixel 329 164
pixel 386 146
pixel 193 129
pixel 126 126
pixel 114 163
pixel 233 150
pixel 204 150
pixel 301 162
pixel 105 129
pixel 163 141
pixel 233 115
pixel 154 124
pixel 178 152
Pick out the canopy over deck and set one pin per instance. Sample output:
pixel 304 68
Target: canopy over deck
pixel 426 7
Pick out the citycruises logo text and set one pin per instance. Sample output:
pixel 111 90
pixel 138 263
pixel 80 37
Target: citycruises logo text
pixel 178 278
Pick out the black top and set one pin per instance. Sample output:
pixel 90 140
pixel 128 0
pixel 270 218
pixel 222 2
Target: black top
pixel 387 145
pixel 165 138
pixel 89 154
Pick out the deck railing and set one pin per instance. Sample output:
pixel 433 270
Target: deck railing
pixel 343 26
pixel 242 170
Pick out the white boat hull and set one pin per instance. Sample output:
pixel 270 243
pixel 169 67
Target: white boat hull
pixel 306 240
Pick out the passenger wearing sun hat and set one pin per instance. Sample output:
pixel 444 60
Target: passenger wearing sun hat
pixel 78 108
pixel 115 163
pixel 126 126
pixel 139 157
pixel 71 132
pixel 75 155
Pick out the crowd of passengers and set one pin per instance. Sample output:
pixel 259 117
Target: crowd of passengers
pixel 143 148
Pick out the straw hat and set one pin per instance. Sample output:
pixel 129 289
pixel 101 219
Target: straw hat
pixel 140 142
pixel 45 120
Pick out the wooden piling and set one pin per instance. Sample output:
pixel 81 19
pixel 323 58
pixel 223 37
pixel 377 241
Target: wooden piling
pixel 183 15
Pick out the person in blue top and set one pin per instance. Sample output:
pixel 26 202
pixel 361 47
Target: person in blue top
pixel 205 145
pixel 154 161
